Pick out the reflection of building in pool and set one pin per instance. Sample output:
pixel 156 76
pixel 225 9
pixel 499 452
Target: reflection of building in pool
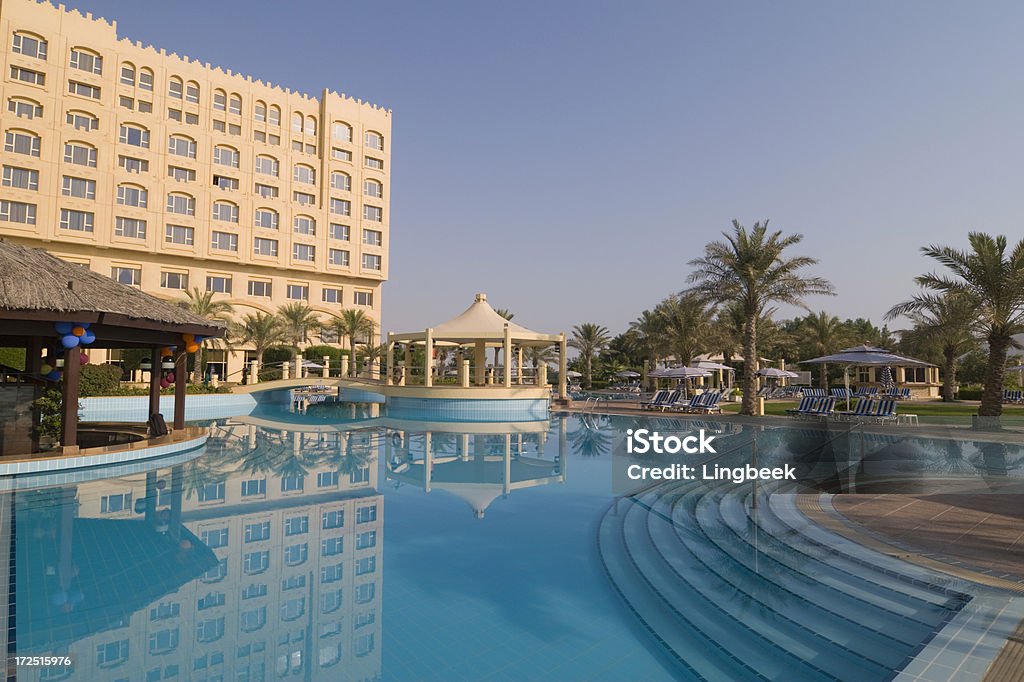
pixel 477 462
pixel 296 528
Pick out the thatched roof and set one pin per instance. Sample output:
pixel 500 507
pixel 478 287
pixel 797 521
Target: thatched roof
pixel 35 281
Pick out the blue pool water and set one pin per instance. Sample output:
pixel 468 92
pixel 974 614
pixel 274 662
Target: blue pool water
pixel 326 547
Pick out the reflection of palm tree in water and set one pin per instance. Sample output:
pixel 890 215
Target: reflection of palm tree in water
pixel 588 441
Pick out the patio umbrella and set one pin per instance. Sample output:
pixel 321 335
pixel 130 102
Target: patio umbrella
pixel 573 374
pixel 864 355
pixel 776 373
pixel 887 381
pixel 684 373
pixel 628 374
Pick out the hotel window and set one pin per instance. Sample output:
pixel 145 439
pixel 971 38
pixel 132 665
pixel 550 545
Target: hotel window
pixel 112 504
pixel 341 181
pixel 341 207
pixel 293 582
pixel 296 525
pixel 266 191
pixel 132 228
pixel 295 555
pixel 76 221
pixel 303 224
pixel 331 573
pixel 366 514
pixel 132 195
pixel 338 257
pixel 21 178
pixel 259 136
pixel 80 120
pixel 366 565
pixel 181 174
pixel 366 540
pixel 136 136
pixel 224 241
pixel 267 165
pixel 331 295
pixel 250 621
pixel 211 492
pixel 164 610
pixel 30 46
pixel 373 140
pixel 146 79
pixel 341 132
pixel 79 154
pixel 304 174
pixel 235 105
pixel 225 212
pixel 371 162
pixel 296 122
pixel 373 237
pixel 330 520
pixel 126 102
pixel 371 261
pixel 175 115
pixel 182 204
pixel 360 475
pixel 364 619
pixel 210 601
pixel 225 156
pixel 18 212
pixel 86 61
pixel 332 546
pixel 254 487
pixel 133 165
pixel 175 88
pixel 21 107
pixel 214 538
pixel 372 188
pixel 83 90
pixel 310 125
pixel 128 75
pixel 297 146
pixel 339 232
pixel 220 126
pixel 217 573
pixel 260 112
pixel 274 115
pixel 304 252
pixel 22 143
pixel 257 532
pixel 330 601
pixel 341 154
pixel 175 280
pixel 304 199
pixel 264 247
pixel 220 100
pixel 298 292
pixel 274 140
pixel 179 145
pixel 192 119
pixel 210 630
pixel 125 275
pixel 260 289
pixel 221 284
pixel 145 107
pixel 254 591
pixel 192 92
pixel 267 219
pixel 293 608
pixel 111 654
pixel 916 375
pixel 366 591
pixel 292 483
pixel 28 76
pixel 374 214
pixel 224 182
pixel 180 234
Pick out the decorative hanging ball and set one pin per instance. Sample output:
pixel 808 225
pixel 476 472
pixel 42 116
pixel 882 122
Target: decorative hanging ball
pixel 170 377
pixel 45 369
pixel 88 337
pixel 69 341
pixel 163 383
pixel 78 331
pixel 192 347
pixel 53 376
pixel 84 359
pixel 188 338
pixel 63 328
pixel 166 352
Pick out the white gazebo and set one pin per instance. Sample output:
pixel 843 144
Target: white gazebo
pixel 474 331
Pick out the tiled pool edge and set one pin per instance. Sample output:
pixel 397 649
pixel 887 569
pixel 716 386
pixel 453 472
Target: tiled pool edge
pixel 135 408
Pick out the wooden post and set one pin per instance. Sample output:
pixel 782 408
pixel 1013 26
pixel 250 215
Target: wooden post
pixel 69 399
pixel 180 389
pixel 154 381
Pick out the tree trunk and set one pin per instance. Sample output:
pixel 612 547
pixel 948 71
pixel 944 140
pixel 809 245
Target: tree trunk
pixel 197 370
pixel 992 395
pixel 352 357
pixel 749 360
pixel 949 370
pixel 589 370
pixel 823 375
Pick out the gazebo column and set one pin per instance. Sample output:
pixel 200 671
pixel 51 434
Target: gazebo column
pixel 156 359
pixel 563 367
pixel 519 364
pixel 506 353
pixel 428 358
pixel 388 379
pixel 180 389
pixel 69 400
pixel 480 360
pixel 406 359
pixel 428 460
pixel 507 482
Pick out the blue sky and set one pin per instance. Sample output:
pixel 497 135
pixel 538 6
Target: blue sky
pixel 569 158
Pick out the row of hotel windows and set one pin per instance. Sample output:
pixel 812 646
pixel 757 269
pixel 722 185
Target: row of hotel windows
pixel 91 62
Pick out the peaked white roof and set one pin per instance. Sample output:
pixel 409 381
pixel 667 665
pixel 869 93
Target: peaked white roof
pixel 479 322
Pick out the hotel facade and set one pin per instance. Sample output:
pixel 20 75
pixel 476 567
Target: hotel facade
pixel 170 174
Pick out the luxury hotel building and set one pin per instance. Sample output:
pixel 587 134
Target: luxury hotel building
pixel 167 173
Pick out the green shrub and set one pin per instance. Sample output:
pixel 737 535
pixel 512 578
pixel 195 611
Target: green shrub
pixel 102 379
pixel 969 393
pixel 13 358
pixel 48 405
pixel 317 353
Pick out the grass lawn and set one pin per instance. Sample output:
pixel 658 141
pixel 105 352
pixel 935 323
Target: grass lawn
pixel 926 410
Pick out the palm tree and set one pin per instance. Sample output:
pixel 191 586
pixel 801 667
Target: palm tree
pixel 942 322
pixel 749 269
pixel 684 323
pixel 993 285
pixel 508 315
pixel 202 303
pixel 826 336
pixel 354 324
pixel 589 339
pixel 298 320
pixel 539 355
pixel 261 331
pixel 645 331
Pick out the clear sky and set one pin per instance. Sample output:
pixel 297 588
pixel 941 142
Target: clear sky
pixel 569 158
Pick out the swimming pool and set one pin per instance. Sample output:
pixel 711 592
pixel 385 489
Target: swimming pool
pixel 386 548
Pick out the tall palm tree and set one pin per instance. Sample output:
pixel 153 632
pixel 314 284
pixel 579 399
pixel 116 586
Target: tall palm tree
pixel 944 322
pixel 589 339
pixel 203 304
pixel 355 325
pixel 298 320
pixel 993 281
pixel 749 269
pixel 508 315
pixel 827 335
pixel 539 355
pixel 261 331
pixel 646 332
pixel 684 322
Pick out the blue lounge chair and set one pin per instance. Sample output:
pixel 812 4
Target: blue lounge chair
pixel 671 399
pixel 657 399
pixel 861 410
pixel 707 405
pixel 903 394
pixel 839 393
pixel 805 404
pixel 823 408
pixel 885 411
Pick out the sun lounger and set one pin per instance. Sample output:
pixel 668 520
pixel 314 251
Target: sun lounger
pixel 705 403
pixel 839 393
pixel 885 411
pixel 805 404
pixel 671 399
pixel 656 400
pixel 861 410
